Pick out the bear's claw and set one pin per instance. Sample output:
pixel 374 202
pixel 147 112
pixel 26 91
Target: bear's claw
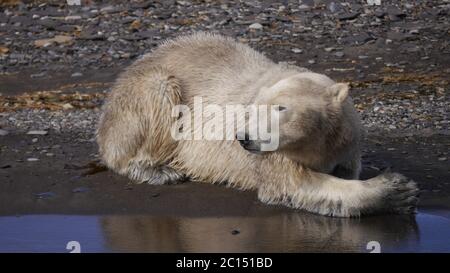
pixel 399 194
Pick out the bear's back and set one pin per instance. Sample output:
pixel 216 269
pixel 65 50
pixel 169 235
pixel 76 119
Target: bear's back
pixel 209 65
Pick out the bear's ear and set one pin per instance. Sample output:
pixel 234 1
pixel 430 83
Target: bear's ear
pixel 338 92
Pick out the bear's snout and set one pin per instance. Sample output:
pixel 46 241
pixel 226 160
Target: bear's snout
pixel 247 143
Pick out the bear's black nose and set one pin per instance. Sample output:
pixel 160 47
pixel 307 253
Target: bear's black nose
pixel 244 142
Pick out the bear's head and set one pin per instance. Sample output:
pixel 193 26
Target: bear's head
pixel 309 110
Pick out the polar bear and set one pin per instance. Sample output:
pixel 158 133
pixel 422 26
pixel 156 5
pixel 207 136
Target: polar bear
pixel 315 166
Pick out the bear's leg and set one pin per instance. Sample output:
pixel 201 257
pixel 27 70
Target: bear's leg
pixel 134 132
pixel 328 195
pixel 147 172
pixel 348 170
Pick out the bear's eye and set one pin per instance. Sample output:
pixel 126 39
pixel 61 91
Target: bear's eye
pixel 280 108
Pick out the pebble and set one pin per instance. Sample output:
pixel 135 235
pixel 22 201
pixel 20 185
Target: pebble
pixel 297 50
pixel 235 232
pixel 348 16
pixel 32 159
pixel 45 195
pixel 67 106
pixel 3 132
pixel 80 190
pixel 256 26
pixel 37 132
pixel 76 74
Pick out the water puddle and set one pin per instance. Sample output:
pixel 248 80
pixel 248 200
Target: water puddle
pixel 428 231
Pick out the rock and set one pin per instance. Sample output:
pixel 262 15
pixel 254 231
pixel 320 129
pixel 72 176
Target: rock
pixel 3 132
pixel 339 54
pixel 110 9
pixel 380 13
pixel 76 74
pixel 297 50
pixel 38 75
pixel 34 140
pixel 59 39
pixel 329 49
pixel 235 232
pixel 3 50
pixel 348 16
pixel 304 7
pixel 38 132
pixel 142 5
pixel 66 28
pixel 395 14
pixel 73 18
pixel 442 158
pixel 45 195
pixel 67 106
pixel 255 26
pixel 146 34
pixel 32 159
pixel 92 35
pixel 334 7
pixel 49 24
pixel 73 2
pixel 374 2
pixel 362 38
pixel 135 25
pixel 80 190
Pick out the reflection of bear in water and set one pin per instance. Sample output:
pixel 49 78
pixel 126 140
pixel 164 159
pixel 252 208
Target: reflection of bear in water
pixel 319 129
pixel 288 232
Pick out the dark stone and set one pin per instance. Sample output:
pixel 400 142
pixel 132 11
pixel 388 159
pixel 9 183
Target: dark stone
pixel 361 38
pixel 143 5
pixel 348 16
pixel 146 34
pixel 23 20
pixel 80 189
pixel 395 14
pixel 132 37
pixel 49 11
pixel 48 23
pixel 395 11
pixel 335 7
pixel 65 28
pixel 91 36
pixel 380 13
pixel 3 19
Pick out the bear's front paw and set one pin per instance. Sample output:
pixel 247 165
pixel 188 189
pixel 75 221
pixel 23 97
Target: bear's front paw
pixel 398 193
